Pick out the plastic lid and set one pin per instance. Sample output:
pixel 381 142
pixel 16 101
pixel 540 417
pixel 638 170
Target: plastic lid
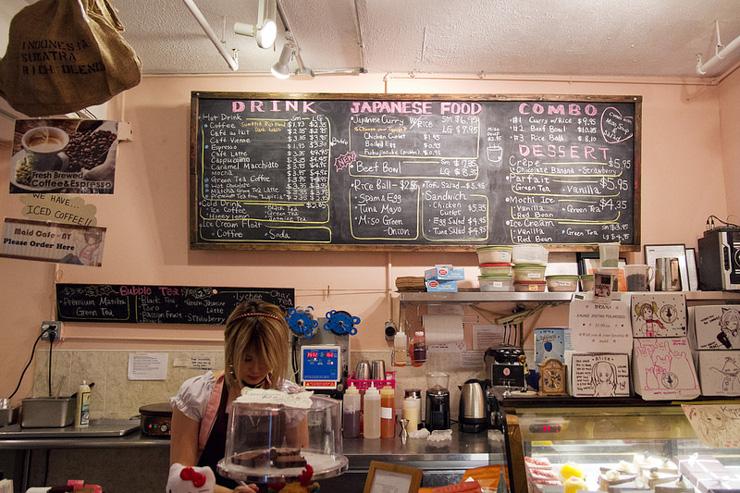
pixel 530 282
pixel 496 247
pixel 496 264
pixel 528 265
pixel 568 277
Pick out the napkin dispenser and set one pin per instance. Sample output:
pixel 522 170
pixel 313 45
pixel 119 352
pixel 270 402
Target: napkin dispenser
pixel 47 412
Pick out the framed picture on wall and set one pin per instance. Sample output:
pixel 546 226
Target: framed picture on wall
pixel 588 263
pixel 678 250
pixel 691 264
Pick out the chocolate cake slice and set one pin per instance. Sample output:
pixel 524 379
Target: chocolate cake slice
pixel 252 459
pixel 286 461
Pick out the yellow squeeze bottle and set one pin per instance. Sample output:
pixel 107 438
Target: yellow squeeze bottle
pixel 82 413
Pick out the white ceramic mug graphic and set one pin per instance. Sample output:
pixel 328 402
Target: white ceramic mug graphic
pixel 44 146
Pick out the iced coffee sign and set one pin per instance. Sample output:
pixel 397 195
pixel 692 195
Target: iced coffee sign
pixel 64 156
pixel 53 242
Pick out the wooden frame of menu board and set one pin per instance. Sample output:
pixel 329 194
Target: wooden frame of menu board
pixel 413 172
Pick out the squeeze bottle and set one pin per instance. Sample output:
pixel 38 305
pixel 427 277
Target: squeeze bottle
pixel 351 413
pixel 387 418
pixel 82 413
pixel 371 414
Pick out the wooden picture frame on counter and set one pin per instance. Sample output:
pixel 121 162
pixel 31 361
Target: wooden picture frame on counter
pixel 383 477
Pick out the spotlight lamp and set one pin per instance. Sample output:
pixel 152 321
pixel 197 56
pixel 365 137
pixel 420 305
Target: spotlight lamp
pixel 265 30
pixel 281 68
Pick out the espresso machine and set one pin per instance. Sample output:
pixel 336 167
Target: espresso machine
pixel 437 402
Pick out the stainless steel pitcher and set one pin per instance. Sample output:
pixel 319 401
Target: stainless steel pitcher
pixel 667 274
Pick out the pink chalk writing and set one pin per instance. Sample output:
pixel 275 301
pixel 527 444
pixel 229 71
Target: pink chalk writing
pixel 274 106
pixel 572 109
pixel 344 160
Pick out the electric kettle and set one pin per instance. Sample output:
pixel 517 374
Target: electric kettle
pixel 472 407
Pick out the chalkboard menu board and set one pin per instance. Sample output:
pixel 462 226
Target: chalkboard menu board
pixel 125 303
pixel 413 172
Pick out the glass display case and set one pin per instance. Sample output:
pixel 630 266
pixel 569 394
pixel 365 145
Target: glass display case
pixel 618 448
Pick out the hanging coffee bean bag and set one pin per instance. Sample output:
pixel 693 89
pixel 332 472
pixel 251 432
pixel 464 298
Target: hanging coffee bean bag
pixel 66 55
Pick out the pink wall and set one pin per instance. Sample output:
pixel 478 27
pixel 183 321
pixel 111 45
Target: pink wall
pixel 147 219
pixel 729 114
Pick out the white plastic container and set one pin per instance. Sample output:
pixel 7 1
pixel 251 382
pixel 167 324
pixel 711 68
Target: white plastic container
pixel 530 286
pixel 496 283
pixel 529 272
pixel 529 254
pixel 371 414
pixel 562 283
pixel 587 282
pixel 496 270
pixel 494 254
pixel 412 412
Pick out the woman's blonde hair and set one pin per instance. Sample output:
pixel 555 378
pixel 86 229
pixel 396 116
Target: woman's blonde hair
pixel 257 329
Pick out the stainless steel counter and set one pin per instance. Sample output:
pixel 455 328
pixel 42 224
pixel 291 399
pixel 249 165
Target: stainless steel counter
pixel 465 450
pixel 441 464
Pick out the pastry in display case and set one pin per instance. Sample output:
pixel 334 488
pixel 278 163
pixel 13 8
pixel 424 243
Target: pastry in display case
pixel 274 436
pixel 628 449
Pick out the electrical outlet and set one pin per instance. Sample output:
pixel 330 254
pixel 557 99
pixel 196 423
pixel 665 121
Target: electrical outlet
pixel 56 328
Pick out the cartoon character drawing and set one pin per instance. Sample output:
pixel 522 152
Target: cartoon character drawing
pixel 604 379
pixel 190 479
pixel 647 312
pixel 729 323
pixel 91 251
pixel 730 372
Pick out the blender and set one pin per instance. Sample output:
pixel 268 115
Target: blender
pixel 438 401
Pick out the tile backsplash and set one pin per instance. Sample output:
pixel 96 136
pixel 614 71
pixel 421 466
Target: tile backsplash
pixel 115 396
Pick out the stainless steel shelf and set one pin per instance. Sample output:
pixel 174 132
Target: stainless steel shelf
pixel 490 297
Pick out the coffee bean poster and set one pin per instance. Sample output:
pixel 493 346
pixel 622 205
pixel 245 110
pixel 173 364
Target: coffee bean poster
pixel 64 156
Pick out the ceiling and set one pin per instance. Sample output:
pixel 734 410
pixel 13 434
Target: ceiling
pixel 654 38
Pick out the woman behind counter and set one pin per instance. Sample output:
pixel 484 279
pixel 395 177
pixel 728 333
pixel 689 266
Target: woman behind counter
pixel 256 355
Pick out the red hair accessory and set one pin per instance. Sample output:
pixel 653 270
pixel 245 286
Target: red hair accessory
pixel 190 474
pixel 257 314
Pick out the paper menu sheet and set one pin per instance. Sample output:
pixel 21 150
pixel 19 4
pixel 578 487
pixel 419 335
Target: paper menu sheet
pixel 716 425
pixel 600 327
pixel 147 366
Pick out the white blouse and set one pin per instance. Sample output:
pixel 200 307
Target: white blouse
pixel 192 398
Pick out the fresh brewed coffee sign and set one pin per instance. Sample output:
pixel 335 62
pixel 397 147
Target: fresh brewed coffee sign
pixel 381 172
pixel 64 156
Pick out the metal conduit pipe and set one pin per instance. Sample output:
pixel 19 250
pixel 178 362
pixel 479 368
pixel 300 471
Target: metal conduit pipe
pixel 233 63
pixel 711 64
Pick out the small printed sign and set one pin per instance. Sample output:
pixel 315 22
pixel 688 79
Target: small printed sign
pixel 64 156
pixel 600 327
pixel 58 208
pixel 53 242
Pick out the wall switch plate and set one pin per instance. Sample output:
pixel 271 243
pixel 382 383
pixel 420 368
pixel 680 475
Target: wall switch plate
pixel 55 326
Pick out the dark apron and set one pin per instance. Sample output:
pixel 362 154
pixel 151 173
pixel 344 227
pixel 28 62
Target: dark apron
pixel 215 448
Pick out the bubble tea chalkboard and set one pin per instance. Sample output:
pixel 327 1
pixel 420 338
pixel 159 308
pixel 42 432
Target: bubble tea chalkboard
pixel 413 172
